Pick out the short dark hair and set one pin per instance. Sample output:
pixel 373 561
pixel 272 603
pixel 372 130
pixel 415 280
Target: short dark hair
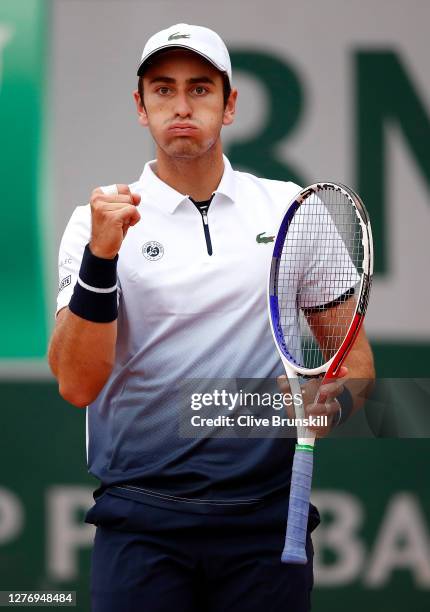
pixel 225 83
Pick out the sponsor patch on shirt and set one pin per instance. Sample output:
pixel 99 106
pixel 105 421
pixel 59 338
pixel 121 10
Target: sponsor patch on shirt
pixel 65 283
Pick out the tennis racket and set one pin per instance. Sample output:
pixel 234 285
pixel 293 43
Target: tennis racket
pixel 318 291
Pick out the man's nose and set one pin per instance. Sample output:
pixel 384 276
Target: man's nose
pixel 182 104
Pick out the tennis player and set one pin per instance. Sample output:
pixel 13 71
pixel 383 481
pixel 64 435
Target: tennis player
pixel 164 281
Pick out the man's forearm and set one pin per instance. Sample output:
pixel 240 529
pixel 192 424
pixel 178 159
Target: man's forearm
pixel 361 371
pixel 81 356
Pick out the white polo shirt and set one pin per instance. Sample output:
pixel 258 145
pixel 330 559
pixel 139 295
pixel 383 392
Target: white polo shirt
pixel 185 314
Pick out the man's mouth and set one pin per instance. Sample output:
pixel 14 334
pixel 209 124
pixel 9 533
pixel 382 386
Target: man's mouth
pixel 182 129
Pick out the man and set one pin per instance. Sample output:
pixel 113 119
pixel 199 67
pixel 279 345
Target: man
pixel 162 282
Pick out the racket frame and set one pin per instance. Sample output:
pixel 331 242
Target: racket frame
pixel 331 367
pixel 295 542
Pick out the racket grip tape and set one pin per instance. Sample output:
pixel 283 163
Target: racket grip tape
pixel 298 509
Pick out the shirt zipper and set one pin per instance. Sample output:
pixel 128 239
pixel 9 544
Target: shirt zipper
pixel 203 207
pixel 204 215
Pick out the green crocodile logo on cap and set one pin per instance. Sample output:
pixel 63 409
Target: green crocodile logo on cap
pixel 178 35
pixel 263 239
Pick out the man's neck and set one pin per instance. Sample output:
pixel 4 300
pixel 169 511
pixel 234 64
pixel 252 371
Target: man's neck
pixel 198 177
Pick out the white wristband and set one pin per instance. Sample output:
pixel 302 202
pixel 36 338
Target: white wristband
pixel 97 289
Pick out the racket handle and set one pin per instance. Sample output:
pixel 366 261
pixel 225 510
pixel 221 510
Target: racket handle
pixel 298 509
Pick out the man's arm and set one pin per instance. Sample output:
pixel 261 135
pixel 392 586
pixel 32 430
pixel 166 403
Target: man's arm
pixel 356 374
pixel 81 356
pixel 361 370
pixel 332 324
pixel 82 347
pixel 330 327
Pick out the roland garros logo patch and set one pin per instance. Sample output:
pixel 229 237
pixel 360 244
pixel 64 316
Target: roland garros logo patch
pixel 153 250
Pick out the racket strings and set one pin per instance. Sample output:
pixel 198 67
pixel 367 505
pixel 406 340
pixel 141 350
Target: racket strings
pixel 319 272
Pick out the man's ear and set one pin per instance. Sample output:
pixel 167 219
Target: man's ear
pixel 141 112
pixel 230 108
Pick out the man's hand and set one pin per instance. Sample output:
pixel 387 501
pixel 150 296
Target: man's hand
pixel 327 403
pixel 111 216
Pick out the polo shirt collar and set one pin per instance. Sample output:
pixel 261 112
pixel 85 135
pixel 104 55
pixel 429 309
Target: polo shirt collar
pixel 169 198
pixel 227 185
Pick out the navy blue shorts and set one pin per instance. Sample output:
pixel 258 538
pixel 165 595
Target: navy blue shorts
pixel 149 559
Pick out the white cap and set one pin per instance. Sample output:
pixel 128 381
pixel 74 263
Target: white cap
pixel 203 41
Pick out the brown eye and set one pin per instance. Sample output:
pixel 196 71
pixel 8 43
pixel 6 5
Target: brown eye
pixel 200 90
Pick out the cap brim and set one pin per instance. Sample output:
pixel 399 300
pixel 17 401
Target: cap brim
pixel 143 64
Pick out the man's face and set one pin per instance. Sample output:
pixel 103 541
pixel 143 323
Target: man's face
pixel 184 105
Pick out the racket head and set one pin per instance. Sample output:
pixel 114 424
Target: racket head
pixel 321 270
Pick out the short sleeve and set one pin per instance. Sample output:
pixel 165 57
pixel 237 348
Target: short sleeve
pixel 329 272
pixel 76 236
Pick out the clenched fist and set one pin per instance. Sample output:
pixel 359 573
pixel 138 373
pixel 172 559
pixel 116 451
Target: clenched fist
pixel 111 216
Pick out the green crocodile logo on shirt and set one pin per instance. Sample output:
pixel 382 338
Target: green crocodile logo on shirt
pixel 178 35
pixel 261 239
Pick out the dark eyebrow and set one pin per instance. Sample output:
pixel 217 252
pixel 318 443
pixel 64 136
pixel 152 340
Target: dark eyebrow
pixel 202 79
pixel 162 79
pixel 166 79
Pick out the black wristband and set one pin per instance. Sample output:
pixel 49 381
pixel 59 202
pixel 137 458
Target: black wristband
pixel 96 271
pixel 346 406
pixel 95 295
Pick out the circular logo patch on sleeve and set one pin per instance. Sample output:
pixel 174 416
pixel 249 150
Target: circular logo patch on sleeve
pixel 153 250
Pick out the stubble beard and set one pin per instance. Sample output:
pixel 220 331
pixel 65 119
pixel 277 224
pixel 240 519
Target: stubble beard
pixel 187 148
